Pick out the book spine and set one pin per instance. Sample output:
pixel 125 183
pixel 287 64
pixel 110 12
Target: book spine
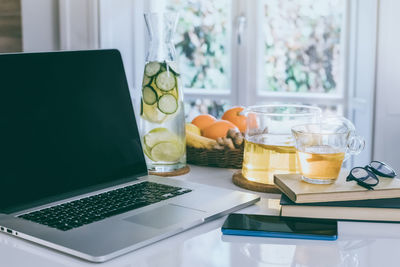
pixel 285 190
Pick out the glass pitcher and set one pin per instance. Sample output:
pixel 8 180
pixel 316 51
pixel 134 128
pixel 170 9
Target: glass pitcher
pixel 269 146
pixel 162 114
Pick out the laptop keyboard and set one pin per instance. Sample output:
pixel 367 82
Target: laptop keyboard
pixel 98 207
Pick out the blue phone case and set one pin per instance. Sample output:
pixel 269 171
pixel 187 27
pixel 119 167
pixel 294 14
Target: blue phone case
pixel 276 234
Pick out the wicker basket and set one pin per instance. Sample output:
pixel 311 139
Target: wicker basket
pixel 226 158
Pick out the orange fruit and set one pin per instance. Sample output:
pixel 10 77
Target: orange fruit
pixel 218 129
pixel 233 115
pixel 203 121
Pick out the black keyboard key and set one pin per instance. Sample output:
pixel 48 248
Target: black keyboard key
pixel 95 208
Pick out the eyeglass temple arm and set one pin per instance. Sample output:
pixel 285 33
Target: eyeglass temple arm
pixel 365 185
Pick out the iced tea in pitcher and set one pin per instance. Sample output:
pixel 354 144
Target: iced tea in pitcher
pixel 269 146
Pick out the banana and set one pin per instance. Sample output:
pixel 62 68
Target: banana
pixel 198 141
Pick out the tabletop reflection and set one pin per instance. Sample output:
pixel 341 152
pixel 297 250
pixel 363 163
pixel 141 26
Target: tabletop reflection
pixel 357 246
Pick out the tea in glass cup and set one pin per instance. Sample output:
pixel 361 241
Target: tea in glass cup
pixel 321 162
pixel 323 147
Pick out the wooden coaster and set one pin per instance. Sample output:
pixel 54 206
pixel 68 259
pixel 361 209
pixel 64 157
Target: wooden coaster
pixel 177 172
pixel 240 181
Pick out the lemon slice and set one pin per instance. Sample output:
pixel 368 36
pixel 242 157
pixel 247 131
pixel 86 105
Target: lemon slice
pixel 160 144
pixel 158 135
pixel 166 151
pixel 147 151
pixel 152 114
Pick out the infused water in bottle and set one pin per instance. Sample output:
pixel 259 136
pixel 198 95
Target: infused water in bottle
pixel 161 111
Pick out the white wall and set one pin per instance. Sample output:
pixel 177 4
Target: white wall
pixel 387 115
pixel 361 60
pixel 40 25
pixel 122 27
pixel 79 24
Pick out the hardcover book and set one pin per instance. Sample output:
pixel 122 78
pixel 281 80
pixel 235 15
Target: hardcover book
pixel 299 191
pixel 370 209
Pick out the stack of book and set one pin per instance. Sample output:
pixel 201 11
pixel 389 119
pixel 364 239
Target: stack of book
pixel 341 200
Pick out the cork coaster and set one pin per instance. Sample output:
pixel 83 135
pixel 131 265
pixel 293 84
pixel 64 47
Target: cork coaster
pixel 177 172
pixel 240 181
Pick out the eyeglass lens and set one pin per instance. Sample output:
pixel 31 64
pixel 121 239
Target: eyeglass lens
pixel 364 175
pixel 382 169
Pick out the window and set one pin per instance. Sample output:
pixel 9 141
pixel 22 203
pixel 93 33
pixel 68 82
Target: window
pixel 302 46
pixel 254 51
pixel 264 51
pixel 203 49
pixel 202 43
pixel 301 53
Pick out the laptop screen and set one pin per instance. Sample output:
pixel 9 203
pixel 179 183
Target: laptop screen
pixel 67 126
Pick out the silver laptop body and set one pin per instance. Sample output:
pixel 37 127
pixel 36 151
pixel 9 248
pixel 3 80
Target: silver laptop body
pixel 47 170
pixel 103 240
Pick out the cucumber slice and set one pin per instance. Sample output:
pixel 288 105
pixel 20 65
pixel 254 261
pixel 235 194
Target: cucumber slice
pixel 146 80
pixel 166 81
pixel 152 68
pixel 167 104
pixel 141 106
pixel 149 95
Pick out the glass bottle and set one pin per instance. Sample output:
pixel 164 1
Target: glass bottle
pixel 161 112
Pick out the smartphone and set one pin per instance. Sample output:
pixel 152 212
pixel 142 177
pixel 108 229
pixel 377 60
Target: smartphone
pixel 278 226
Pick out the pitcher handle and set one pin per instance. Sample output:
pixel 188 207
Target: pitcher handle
pixel 355 145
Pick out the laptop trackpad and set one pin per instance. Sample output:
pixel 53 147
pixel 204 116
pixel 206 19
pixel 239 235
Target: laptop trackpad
pixel 165 216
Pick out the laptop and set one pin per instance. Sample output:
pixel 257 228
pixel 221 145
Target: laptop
pixel 73 173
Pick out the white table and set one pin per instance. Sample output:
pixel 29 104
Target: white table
pixel 359 244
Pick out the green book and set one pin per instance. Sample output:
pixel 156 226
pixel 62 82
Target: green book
pixel 366 210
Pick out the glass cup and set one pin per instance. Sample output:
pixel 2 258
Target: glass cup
pixel 323 147
pixel 269 146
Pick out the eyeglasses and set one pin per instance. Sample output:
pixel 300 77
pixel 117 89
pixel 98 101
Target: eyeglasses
pixel 367 176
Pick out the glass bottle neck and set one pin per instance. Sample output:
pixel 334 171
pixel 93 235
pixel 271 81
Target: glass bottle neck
pixel 161 27
pixel 161 51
